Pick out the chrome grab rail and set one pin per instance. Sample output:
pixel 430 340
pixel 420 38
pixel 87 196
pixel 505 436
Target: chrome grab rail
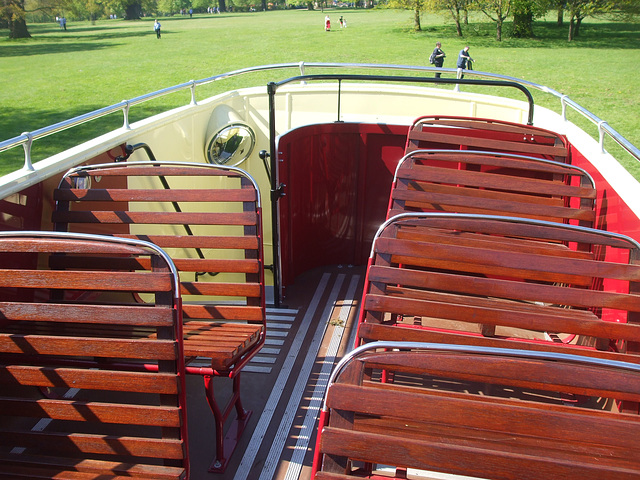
pixel 27 138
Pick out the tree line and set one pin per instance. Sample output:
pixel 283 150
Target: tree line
pixel 522 12
pixel 13 13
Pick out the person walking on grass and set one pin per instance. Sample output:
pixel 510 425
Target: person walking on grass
pixel 437 57
pixel 156 27
pixel 464 61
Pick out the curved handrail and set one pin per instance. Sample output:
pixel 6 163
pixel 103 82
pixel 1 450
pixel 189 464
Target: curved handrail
pixel 390 78
pixel 27 138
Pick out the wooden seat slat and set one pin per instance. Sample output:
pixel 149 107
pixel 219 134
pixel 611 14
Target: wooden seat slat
pixel 490 179
pixel 127 281
pixel 88 379
pixel 496 126
pixel 558 320
pixel 173 195
pixel 468 132
pixel 86 314
pixel 549 232
pixel 105 412
pixel 252 290
pixel 486 143
pixel 80 469
pixel 499 162
pixel 100 444
pixel 226 265
pixel 484 255
pixel 226 312
pixel 445 195
pixel 158 169
pixel 512 244
pixel 456 202
pixel 165 218
pixel 184 264
pixel 375 332
pixel 499 303
pixel 483 463
pixel 42 344
pixel 201 241
pixel 496 287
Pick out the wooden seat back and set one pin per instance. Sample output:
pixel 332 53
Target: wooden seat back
pixel 441 277
pixel 487 413
pixel 83 394
pixel 493 183
pixel 209 219
pixel 468 133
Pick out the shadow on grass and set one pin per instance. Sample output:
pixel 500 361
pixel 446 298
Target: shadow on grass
pixel 50 40
pixel 44 49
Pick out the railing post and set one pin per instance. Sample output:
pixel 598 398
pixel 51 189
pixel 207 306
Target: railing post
pixel 27 152
pixel 193 92
pixel 301 66
pixel 125 112
pixel 601 132
pixel 564 107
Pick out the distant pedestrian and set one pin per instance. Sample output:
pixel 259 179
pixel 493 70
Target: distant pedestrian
pixel 191 13
pixel 341 21
pixel 464 61
pixel 437 57
pixel 156 27
pixel 327 24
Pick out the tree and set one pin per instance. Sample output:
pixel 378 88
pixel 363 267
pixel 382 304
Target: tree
pixel 13 11
pixel 416 5
pixel 498 11
pixel 559 4
pixel 457 8
pixel 579 9
pixel 522 21
pixel 90 9
pixel 524 13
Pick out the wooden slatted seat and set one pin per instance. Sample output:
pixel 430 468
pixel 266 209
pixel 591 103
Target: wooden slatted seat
pixel 493 183
pixel 66 409
pixel 209 220
pixel 468 133
pixel 488 413
pixel 439 277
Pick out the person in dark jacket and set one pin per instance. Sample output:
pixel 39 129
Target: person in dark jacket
pixel 438 57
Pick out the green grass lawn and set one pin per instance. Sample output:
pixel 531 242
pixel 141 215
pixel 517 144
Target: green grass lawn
pixel 57 75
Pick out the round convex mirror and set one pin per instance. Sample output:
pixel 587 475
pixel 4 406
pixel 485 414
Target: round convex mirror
pixel 231 145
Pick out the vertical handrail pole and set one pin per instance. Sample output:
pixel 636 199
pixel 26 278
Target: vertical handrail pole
pixel 271 89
